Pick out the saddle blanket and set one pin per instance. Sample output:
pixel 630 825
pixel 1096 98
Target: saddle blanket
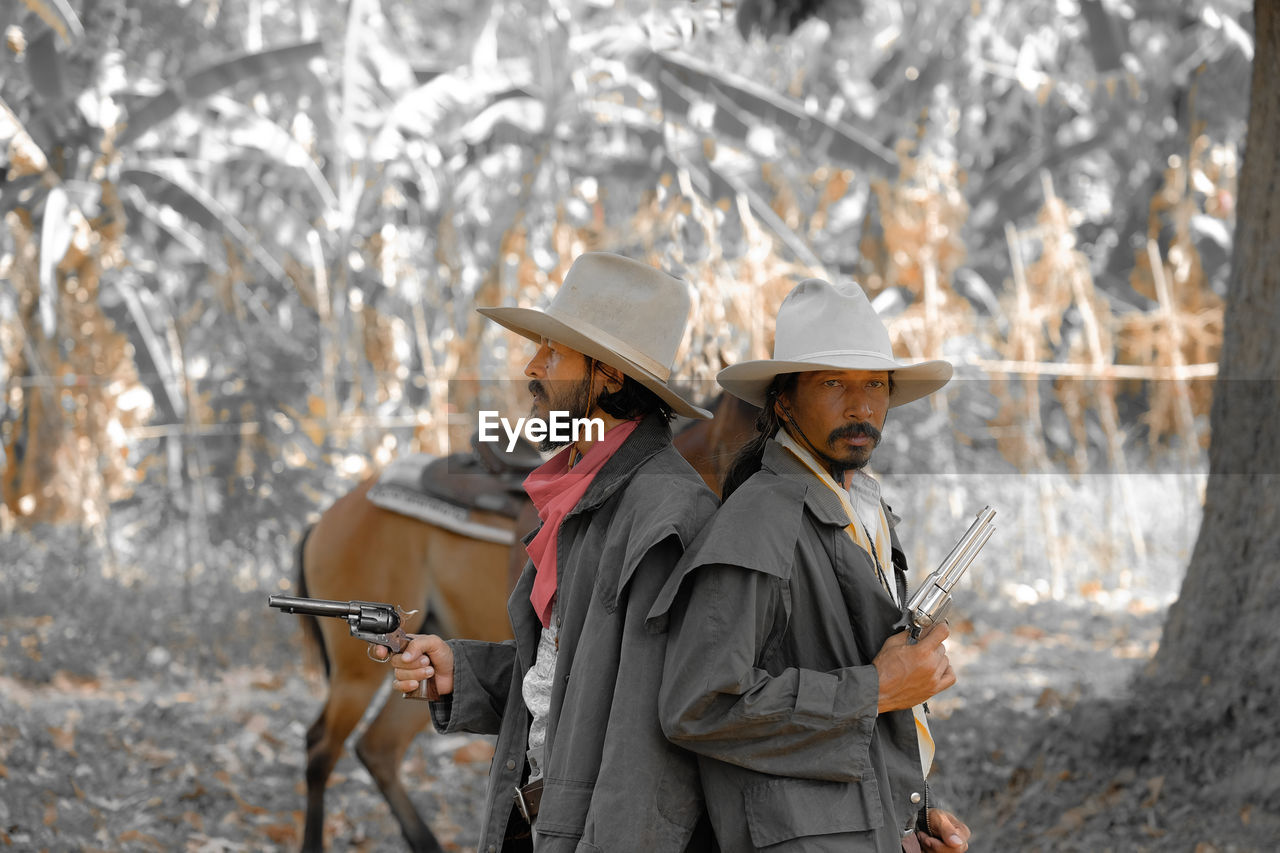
pixel 398 490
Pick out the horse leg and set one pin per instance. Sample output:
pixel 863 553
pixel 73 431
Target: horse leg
pixel 382 749
pixel 325 739
pixel 359 551
pixel 320 762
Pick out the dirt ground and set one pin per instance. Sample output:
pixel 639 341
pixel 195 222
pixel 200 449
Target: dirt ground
pixel 179 761
pixel 202 766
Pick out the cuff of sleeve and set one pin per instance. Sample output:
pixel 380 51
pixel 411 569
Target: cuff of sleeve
pixel 442 716
pixel 442 713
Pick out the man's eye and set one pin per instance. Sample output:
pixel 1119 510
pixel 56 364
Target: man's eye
pixel 875 383
pixel 832 383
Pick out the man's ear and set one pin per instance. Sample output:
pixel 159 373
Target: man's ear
pixel 780 408
pixel 613 377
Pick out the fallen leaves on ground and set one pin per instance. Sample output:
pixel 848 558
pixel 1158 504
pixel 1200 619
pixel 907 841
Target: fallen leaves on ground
pixel 146 765
pixel 214 763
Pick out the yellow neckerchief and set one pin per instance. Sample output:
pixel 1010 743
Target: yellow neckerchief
pixel 860 538
pixel 857 531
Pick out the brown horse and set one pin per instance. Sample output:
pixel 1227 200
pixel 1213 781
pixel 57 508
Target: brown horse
pixel 360 551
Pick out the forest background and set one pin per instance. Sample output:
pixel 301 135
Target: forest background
pixel 243 240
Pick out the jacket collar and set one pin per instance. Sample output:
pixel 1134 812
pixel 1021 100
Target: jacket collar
pixel 650 436
pixel 820 500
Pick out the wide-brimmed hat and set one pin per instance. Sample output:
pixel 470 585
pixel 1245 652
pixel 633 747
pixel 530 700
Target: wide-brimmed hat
pixel 824 326
pixel 621 312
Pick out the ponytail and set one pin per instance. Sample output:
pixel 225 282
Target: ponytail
pixel 749 459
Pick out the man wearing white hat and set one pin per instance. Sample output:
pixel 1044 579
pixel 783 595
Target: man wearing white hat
pixel 785 671
pixel 581 762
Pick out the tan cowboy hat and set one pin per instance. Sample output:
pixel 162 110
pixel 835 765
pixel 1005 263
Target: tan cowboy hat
pixel 621 312
pixel 825 326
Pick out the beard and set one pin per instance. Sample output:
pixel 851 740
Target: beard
pixel 854 458
pixel 573 397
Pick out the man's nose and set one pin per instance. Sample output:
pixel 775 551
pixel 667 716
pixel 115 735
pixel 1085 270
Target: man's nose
pixel 536 368
pixel 859 407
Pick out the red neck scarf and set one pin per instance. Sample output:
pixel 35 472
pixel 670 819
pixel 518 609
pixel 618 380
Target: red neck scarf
pixel 555 490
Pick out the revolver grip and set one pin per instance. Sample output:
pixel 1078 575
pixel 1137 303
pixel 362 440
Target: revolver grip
pixel 426 690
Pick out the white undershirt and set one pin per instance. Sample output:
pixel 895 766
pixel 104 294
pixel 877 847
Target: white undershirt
pixel 536 689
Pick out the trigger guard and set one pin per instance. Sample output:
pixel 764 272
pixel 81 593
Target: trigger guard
pixel 368 650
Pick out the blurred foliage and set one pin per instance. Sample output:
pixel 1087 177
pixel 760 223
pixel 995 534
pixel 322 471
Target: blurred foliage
pixel 243 238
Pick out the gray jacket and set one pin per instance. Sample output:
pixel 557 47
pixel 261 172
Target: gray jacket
pixel 613 783
pixel 776 616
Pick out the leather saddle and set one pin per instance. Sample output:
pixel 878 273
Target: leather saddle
pixel 520 460
pixel 489 478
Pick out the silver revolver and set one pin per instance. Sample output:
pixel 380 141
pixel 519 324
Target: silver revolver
pixel 930 603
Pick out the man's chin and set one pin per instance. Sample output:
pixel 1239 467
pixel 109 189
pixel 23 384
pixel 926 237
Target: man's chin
pixel 850 461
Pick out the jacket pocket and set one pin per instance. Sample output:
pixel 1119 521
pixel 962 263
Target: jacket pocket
pixel 782 809
pixel 564 807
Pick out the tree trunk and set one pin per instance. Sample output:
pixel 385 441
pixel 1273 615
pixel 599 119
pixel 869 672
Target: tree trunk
pixel 1219 648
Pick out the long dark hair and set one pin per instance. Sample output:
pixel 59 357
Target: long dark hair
pixel 632 401
pixel 748 459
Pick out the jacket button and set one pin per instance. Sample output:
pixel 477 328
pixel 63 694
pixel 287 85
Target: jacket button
pixel 511 764
pixel 915 797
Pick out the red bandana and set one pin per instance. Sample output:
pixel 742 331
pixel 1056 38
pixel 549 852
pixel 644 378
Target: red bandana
pixel 555 490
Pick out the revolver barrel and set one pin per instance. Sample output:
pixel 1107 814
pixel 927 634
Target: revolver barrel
pixel 313 606
pixel 930 603
pixel 963 554
pixel 365 617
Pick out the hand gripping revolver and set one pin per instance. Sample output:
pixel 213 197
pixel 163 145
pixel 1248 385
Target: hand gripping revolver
pixel 376 624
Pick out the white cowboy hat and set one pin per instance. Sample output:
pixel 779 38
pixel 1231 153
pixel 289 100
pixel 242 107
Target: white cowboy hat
pixel 621 312
pixel 825 326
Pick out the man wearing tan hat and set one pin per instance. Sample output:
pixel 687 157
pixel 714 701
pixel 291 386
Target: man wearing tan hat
pixel 581 762
pixel 785 671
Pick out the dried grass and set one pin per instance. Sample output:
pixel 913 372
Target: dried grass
pixel 68 455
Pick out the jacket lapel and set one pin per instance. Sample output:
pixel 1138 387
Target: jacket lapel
pixel 854 567
pixel 650 436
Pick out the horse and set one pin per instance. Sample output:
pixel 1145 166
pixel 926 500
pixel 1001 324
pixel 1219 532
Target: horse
pixel 358 550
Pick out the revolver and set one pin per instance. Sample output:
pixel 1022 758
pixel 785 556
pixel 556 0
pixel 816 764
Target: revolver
pixel 930 603
pixel 376 624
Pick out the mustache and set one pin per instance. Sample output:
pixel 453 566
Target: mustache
pixel 854 430
pixel 535 388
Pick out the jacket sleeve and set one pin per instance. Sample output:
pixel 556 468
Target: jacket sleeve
pixel 718 700
pixel 482 674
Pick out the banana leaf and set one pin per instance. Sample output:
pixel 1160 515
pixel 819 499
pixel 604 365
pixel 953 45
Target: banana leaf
pixel 192 202
pixel 741 103
pixel 214 78
pixel 278 145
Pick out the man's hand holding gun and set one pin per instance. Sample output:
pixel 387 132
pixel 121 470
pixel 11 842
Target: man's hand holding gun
pixel 425 662
pixel 913 665
pixel 427 659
